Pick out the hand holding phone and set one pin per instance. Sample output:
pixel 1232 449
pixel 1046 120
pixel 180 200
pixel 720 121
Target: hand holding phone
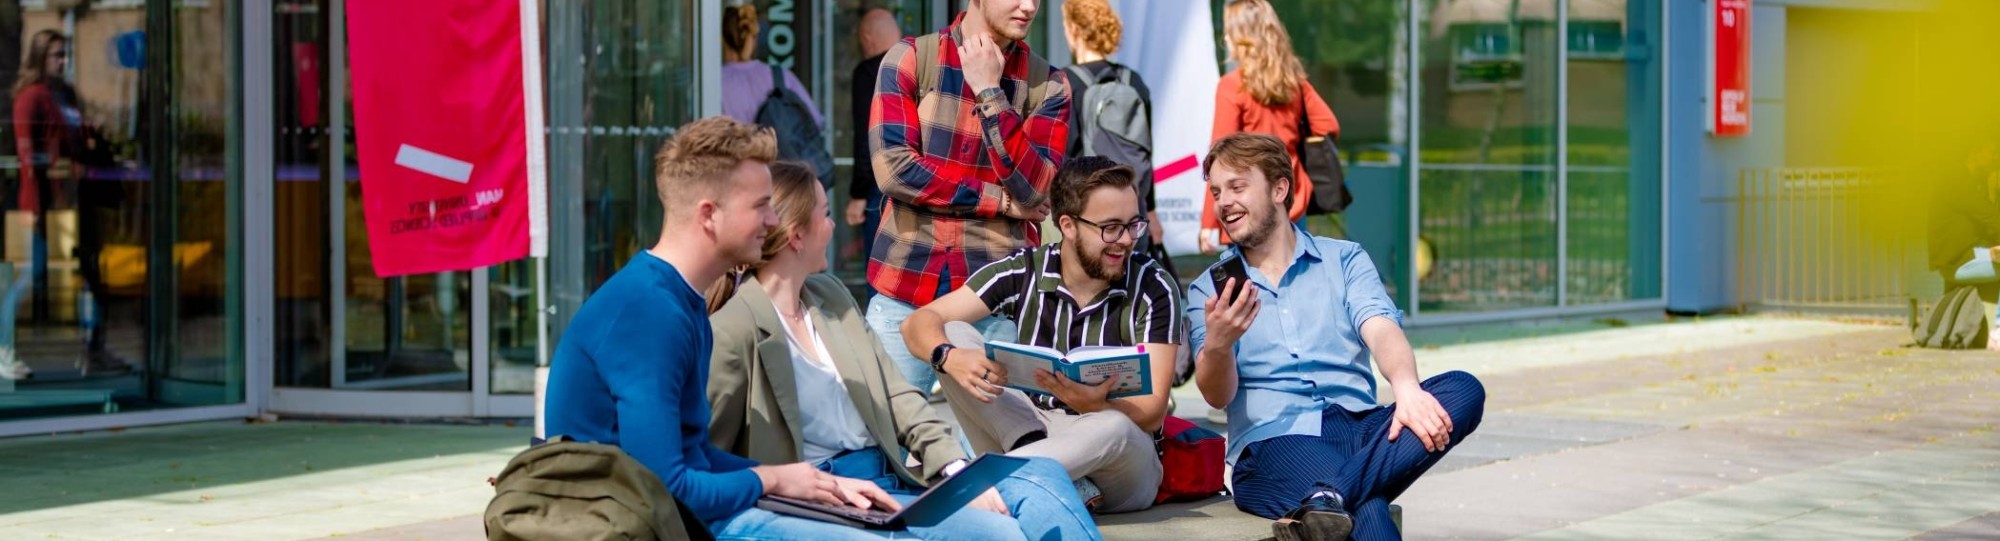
pixel 1230 312
pixel 1231 268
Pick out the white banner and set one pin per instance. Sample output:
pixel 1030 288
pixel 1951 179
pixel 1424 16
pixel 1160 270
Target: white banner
pixel 1172 45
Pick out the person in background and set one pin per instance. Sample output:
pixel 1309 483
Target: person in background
pixel 1265 94
pixel 1093 31
pixel 1965 218
pixel 796 376
pixel 632 369
pixel 746 81
pixel 50 135
pixel 966 176
pixel 877 33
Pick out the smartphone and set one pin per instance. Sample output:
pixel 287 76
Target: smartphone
pixel 1232 268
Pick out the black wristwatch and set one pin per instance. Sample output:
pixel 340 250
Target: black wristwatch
pixel 938 355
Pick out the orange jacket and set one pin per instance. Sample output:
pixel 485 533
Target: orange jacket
pixel 1236 111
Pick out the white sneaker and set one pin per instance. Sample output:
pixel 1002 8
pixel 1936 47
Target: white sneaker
pixel 10 368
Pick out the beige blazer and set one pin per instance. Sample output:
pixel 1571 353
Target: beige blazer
pixel 753 398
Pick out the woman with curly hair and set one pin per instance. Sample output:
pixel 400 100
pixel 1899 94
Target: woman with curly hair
pixel 1266 93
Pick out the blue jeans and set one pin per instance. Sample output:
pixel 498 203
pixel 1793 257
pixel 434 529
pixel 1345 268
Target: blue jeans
pixel 10 305
pixel 1044 504
pixel 1976 272
pixel 871 222
pixel 1353 456
pixel 885 317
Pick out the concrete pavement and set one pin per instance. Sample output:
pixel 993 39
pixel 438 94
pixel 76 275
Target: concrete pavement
pixel 1741 428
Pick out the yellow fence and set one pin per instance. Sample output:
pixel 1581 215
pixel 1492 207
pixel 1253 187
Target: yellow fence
pixel 1828 238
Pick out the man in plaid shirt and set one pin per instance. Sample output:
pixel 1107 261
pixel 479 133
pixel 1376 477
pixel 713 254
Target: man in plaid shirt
pixel 965 161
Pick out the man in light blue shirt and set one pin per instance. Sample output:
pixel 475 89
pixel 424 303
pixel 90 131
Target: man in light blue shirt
pixel 1290 362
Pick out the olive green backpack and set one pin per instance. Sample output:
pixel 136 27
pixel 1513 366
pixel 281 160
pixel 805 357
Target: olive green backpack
pixel 1957 321
pixel 565 489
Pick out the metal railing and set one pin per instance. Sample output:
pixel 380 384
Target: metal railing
pixel 1828 238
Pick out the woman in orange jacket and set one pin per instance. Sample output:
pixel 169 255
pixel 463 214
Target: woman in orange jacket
pixel 1265 94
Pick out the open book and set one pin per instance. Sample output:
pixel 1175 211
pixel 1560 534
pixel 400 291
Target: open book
pixel 1089 365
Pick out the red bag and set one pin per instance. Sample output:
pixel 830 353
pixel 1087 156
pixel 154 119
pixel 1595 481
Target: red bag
pixel 1191 459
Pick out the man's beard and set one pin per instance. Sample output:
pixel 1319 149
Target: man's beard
pixel 1256 236
pixel 1094 266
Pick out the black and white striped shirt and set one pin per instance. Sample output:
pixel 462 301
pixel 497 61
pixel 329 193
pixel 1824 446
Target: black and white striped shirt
pixel 1144 307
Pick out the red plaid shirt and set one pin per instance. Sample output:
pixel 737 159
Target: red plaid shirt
pixel 944 165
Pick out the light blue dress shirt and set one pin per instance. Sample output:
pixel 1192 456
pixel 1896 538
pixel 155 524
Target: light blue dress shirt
pixel 1304 351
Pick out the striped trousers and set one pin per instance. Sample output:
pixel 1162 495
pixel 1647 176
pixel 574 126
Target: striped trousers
pixel 1353 456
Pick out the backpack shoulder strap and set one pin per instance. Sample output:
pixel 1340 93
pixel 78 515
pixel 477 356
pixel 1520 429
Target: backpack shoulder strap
pixel 777 80
pixel 927 64
pixel 1118 73
pixel 1076 72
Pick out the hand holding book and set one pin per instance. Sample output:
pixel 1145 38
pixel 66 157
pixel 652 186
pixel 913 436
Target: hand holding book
pixel 973 370
pixel 1084 398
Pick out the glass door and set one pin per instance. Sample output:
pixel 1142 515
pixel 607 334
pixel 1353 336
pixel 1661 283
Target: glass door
pixel 351 342
pixel 120 289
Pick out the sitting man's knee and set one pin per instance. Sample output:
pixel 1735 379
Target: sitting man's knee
pixel 1462 383
pixel 1042 468
pixel 1116 431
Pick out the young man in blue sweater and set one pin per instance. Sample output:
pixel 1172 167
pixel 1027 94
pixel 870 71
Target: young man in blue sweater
pixel 632 369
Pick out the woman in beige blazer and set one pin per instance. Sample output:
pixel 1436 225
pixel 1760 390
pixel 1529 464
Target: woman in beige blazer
pixel 798 377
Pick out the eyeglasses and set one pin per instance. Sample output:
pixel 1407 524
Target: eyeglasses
pixel 1111 232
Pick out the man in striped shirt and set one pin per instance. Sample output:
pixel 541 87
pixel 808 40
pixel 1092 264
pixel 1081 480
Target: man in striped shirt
pixel 1091 289
pixel 967 128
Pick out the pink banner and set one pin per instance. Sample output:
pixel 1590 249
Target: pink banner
pixel 439 126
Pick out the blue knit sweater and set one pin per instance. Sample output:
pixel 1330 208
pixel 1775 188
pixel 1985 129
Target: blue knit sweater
pixel 632 371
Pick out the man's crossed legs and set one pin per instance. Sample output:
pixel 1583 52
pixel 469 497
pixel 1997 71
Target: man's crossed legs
pixel 1354 457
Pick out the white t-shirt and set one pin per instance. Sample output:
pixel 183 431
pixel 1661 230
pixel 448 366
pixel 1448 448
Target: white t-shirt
pixel 831 422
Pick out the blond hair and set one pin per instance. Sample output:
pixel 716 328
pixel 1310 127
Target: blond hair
pixel 1263 51
pixel 698 161
pixel 1096 25
pixel 792 187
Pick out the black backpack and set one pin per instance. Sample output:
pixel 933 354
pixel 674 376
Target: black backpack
pixel 1114 121
pixel 799 139
pixel 1957 321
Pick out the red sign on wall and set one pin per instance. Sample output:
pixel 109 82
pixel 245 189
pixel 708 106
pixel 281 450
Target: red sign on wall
pixel 1729 68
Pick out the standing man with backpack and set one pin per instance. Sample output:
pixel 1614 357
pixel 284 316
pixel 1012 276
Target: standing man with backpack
pixel 967 130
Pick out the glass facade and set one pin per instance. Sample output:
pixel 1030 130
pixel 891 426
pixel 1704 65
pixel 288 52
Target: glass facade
pixel 340 326
pixel 622 76
pixel 122 208
pixel 1613 217
pixel 1506 156
pixel 1531 146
